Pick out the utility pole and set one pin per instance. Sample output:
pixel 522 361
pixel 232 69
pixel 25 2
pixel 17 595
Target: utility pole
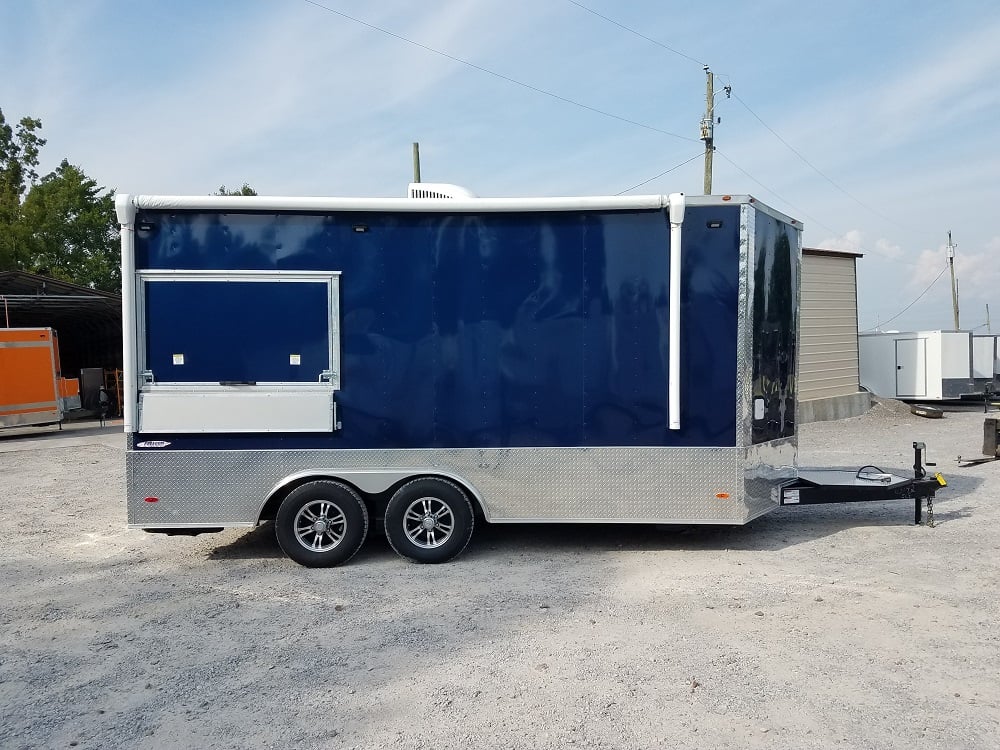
pixel 416 162
pixel 708 128
pixel 954 283
pixel 988 329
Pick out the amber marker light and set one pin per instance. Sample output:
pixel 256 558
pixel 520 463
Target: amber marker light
pixel 722 495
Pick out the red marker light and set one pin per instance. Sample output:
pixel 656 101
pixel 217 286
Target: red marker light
pixel 151 499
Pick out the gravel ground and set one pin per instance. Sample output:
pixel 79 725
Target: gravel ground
pixel 809 628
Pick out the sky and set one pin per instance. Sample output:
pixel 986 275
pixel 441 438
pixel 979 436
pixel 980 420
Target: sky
pixel 876 124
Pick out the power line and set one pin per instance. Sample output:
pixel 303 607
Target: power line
pixel 501 76
pixel 919 296
pixel 761 121
pixel 812 166
pixel 656 177
pixel 772 192
pixel 812 219
pixel 620 118
pixel 637 33
pixel 745 105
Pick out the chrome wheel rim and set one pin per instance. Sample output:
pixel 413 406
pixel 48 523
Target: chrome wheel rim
pixel 428 522
pixel 320 525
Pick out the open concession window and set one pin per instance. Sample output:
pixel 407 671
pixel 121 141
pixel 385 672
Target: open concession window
pixel 238 351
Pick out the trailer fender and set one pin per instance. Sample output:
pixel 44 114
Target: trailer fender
pixel 369 482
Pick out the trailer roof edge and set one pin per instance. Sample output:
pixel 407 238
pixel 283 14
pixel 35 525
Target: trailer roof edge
pixel 276 203
pixel 722 200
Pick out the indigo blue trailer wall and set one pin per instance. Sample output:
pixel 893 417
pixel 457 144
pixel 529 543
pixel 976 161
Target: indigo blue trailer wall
pixel 521 349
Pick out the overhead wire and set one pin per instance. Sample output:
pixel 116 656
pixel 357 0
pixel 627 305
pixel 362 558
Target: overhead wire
pixel 613 116
pixel 770 190
pixel 759 119
pixel 637 33
pixel 919 296
pixel 817 222
pixel 501 76
pixel 769 129
pixel 812 166
pixel 656 177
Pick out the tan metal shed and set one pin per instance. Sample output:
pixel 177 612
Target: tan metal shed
pixel 828 386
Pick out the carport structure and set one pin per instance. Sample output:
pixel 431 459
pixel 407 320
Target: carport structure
pixel 88 321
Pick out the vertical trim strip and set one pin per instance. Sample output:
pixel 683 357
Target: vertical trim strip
pixel 126 218
pixel 674 394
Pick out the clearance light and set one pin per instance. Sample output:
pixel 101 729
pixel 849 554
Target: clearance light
pixel 720 495
pixel 151 499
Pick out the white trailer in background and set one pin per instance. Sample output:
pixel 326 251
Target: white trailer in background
pixel 984 361
pixel 917 365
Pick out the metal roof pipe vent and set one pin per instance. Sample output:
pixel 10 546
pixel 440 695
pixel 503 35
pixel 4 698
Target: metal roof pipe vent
pixel 437 190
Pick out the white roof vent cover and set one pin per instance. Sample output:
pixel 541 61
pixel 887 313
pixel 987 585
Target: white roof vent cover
pixel 437 190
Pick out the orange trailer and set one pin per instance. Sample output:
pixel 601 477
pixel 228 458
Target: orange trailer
pixel 32 389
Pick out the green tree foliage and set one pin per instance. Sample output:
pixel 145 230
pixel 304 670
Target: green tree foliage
pixel 19 148
pixel 71 229
pixel 63 225
pixel 245 190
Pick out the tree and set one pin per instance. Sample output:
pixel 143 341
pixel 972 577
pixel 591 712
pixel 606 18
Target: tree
pixel 245 190
pixel 70 230
pixel 19 149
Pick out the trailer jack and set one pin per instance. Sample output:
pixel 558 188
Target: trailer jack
pixel 867 484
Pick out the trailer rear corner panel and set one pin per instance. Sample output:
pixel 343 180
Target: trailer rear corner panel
pixel 431 363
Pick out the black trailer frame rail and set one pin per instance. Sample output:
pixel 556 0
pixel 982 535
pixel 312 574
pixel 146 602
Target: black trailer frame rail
pixel 867 484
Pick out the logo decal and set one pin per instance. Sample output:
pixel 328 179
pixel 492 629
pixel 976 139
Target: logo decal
pixel 152 444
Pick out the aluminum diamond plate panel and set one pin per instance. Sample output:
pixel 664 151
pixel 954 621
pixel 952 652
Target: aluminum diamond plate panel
pixel 767 466
pixel 655 485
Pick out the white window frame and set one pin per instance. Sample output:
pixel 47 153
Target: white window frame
pixel 332 279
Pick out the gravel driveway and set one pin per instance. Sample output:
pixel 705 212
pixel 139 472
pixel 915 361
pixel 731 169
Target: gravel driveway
pixel 810 628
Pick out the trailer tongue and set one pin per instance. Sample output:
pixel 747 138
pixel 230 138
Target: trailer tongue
pixel 867 484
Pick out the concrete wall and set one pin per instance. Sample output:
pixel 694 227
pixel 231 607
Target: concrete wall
pixel 834 407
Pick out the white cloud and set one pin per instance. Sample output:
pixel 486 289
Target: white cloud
pixel 848 242
pixel 854 241
pixel 885 248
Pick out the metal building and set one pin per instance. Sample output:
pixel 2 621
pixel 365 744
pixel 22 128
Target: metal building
pixel 829 386
pixel 88 322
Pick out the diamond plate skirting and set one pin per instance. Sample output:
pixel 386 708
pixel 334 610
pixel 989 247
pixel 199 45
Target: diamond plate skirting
pixel 654 485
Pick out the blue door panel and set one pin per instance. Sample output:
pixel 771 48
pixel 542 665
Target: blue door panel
pixel 237 330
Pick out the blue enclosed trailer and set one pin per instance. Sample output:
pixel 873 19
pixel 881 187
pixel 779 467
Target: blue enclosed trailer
pixel 428 361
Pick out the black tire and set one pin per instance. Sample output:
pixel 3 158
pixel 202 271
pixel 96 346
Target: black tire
pixel 321 524
pixel 429 520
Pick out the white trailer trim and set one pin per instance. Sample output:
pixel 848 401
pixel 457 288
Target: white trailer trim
pixel 417 205
pixel 674 354
pixel 125 209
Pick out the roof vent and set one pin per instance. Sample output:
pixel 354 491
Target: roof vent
pixel 437 190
